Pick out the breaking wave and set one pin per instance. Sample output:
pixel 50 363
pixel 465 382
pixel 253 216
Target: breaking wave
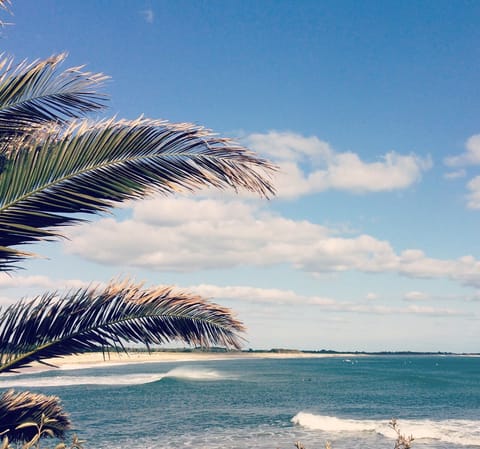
pixel 456 431
pixel 192 374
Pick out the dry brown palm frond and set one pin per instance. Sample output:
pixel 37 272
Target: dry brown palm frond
pixel 17 408
pixel 91 319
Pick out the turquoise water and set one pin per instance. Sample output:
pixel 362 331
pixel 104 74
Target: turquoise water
pixel 265 403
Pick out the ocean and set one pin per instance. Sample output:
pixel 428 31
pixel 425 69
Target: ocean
pixel 270 403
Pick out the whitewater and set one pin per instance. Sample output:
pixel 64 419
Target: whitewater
pixel 10 381
pixel 242 404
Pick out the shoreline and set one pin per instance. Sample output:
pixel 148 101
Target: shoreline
pixel 98 359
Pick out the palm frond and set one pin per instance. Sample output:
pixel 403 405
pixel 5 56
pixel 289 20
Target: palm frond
pixel 35 94
pixel 5 5
pixel 10 256
pixel 19 408
pixel 93 167
pixel 91 319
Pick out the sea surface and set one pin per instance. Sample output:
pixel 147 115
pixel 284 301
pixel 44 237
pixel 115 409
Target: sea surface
pixel 270 403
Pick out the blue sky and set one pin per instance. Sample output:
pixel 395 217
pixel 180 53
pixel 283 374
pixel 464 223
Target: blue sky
pixel 372 112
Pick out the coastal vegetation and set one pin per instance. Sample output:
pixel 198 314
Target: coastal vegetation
pixel 56 167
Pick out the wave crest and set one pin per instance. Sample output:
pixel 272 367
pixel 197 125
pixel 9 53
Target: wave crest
pixel 185 373
pixel 195 374
pixel 456 431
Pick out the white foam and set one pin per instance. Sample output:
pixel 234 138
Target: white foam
pixel 456 431
pixel 195 374
pixel 333 424
pixel 63 381
pixel 186 373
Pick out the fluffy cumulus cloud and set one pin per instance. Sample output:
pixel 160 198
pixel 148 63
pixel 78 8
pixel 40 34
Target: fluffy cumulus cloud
pixel 470 157
pixel 465 269
pixel 186 234
pixel 309 165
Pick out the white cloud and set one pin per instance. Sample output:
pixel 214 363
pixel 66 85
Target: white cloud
pixel 469 157
pixel 473 198
pixel 288 297
pixel 432 311
pixel 243 294
pixel 38 281
pixel 455 174
pixel 21 287
pixel 148 15
pixel 371 296
pixel 456 298
pixel 288 146
pixel 7 300
pixel 259 295
pixel 331 170
pixel 474 297
pixel 416 296
pixel 184 234
pixel 415 263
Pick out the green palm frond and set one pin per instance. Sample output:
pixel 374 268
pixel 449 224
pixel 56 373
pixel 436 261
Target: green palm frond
pixel 36 94
pixel 92 167
pixel 92 319
pixel 25 407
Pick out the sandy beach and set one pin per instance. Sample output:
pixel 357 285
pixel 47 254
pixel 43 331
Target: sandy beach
pixel 99 359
